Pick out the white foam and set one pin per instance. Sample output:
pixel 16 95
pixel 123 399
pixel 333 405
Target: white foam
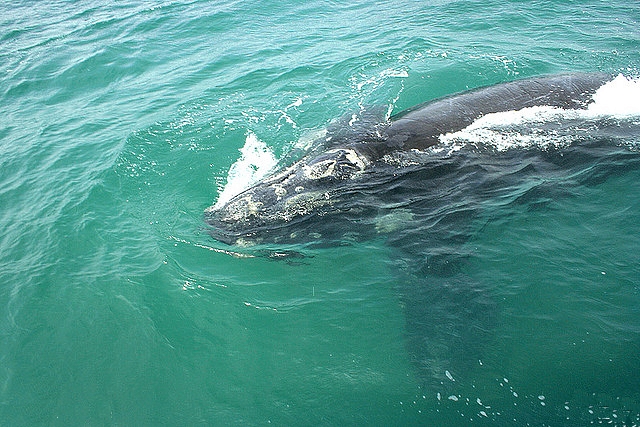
pixel 618 98
pixel 255 162
pixel 378 80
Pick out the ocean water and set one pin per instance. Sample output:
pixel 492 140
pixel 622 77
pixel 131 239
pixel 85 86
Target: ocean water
pixel 121 122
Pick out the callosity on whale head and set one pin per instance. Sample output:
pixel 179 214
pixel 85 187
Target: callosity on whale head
pixel 266 210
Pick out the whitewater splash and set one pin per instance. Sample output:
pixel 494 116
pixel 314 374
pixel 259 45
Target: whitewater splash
pixel 619 97
pixel 255 162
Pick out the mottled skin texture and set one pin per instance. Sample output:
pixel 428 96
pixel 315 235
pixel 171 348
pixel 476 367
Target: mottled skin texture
pixel 316 185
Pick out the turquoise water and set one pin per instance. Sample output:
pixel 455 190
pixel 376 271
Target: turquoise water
pixel 119 123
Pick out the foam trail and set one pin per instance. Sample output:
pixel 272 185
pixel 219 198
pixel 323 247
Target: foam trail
pixel 255 162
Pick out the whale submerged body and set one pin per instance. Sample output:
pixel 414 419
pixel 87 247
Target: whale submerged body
pixel 339 178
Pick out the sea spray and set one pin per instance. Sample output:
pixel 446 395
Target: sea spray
pixel 256 160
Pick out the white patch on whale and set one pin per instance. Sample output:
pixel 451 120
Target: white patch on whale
pixel 326 168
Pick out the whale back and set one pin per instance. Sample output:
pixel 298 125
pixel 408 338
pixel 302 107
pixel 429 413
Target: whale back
pixel 420 127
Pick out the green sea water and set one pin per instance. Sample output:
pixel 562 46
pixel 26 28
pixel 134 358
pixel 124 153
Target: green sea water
pixel 119 122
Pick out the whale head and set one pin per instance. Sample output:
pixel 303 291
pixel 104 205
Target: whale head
pixel 278 208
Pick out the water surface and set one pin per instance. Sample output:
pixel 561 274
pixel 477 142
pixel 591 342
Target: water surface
pixel 119 124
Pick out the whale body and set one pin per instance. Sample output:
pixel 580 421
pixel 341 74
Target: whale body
pixel 334 179
pixel 402 181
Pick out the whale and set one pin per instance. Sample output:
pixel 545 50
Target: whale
pixel 337 177
pixel 401 181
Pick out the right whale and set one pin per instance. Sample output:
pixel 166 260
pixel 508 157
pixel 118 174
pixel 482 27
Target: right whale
pixel 294 204
pixel 396 180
